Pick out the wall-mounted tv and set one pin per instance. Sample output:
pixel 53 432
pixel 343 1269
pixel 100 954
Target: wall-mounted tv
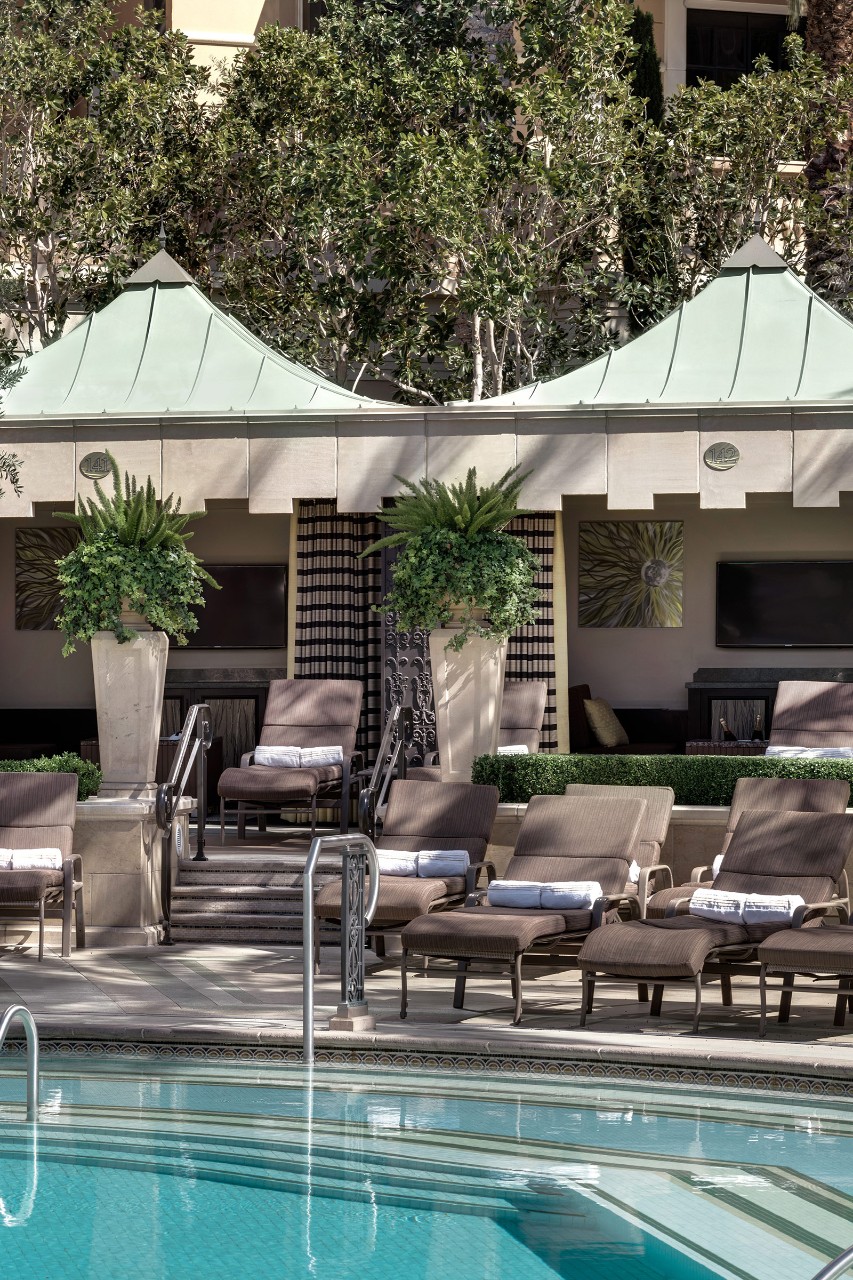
pixel 791 604
pixel 249 612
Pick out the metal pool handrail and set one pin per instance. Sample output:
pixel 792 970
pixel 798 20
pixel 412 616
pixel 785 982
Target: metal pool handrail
pixel 359 845
pixel 22 1012
pixel 837 1267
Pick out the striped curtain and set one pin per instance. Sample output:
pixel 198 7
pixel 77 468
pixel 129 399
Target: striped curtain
pixel 338 636
pixel 530 653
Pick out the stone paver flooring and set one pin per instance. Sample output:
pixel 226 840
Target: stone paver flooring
pixel 248 993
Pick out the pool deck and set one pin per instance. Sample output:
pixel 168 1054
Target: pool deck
pixel 251 996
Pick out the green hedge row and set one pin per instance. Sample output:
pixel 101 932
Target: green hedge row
pixel 694 779
pixel 88 774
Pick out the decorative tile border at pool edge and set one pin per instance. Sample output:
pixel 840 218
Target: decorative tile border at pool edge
pixel 548 1068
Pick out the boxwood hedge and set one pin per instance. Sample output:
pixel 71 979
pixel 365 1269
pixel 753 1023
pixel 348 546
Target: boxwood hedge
pixel 694 779
pixel 88 774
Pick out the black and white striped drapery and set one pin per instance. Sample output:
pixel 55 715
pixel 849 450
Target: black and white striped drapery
pixel 530 653
pixel 338 636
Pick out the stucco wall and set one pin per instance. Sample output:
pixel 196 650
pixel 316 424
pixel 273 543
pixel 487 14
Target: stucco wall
pixel 34 674
pixel 648 668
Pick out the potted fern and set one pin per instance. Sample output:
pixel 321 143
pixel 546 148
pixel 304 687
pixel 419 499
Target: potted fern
pixel 461 576
pixel 129 583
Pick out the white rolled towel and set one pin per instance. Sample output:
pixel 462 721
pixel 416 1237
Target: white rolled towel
pixel 715 904
pixel 279 757
pixel 809 753
pixel 518 749
pixel 771 908
pixel 634 873
pixel 32 859
pixel 438 864
pixel 717 865
pixel 514 893
pixel 570 895
pixel 397 862
pixel 320 756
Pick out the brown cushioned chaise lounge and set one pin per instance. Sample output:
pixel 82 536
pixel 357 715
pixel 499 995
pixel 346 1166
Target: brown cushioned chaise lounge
pixel 791 795
pixel 419 816
pixel 769 853
pixel 562 838
pixel 653 832
pixel 299 713
pixel 812 713
pixel 37 811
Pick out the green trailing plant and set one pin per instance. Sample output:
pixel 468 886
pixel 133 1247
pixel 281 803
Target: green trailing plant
pixel 700 780
pixel 88 774
pixel 132 556
pixel 456 561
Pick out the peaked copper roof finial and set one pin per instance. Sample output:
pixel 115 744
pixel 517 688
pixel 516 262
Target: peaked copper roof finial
pixel 161 239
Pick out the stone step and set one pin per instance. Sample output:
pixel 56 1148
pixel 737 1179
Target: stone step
pixel 230 905
pixel 250 936
pixel 190 891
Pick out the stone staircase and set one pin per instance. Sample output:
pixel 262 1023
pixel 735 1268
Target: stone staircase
pixel 255 898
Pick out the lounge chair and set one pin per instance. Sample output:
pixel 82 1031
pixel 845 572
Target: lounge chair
pixel 769 853
pixel 823 952
pixel 562 838
pixel 522 716
pixel 659 802
pixel 812 714
pixel 299 713
pixel 791 795
pixel 37 811
pixel 422 816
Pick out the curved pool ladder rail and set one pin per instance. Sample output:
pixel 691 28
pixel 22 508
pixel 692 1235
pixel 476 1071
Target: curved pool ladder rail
pixel 22 1013
pixel 837 1267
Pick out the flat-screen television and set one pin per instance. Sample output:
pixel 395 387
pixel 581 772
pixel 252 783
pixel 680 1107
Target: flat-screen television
pixel 249 612
pixel 791 604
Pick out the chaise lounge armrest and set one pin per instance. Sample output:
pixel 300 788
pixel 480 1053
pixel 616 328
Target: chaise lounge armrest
pixel 679 907
pixel 662 869
pixel 699 875
pixel 472 875
pixel 247 759
pixel 810 910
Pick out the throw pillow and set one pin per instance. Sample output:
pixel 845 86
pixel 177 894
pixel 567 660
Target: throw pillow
pixel 604 723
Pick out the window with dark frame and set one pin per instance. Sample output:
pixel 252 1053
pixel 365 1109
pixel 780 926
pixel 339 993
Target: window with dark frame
pixel 723 44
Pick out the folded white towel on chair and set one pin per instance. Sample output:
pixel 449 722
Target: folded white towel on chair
pixel 771 908
pixel 279 757
pixel 809 753
pixel 397 862
pixel 31 859
pixel 716 865
pixel 320 756
pixel 570 895
pixel 437 864
pixel 715 904
pixel 517 749
pixel 514 893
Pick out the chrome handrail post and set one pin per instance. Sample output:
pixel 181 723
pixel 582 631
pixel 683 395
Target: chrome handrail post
pixel 196 737
pixel 837 1267
pixel 203 735
pixel 353 955
pixel 21 1012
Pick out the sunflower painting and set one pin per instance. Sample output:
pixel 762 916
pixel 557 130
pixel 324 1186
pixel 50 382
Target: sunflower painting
pixel 630 573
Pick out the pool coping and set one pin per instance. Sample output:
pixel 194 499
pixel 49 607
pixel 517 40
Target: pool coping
pixel 805 1070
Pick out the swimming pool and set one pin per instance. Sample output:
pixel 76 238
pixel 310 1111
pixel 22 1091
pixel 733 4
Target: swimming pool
pixel 210 1170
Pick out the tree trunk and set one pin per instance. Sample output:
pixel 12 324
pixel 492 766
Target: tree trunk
pixel 477 357
pixel 829 32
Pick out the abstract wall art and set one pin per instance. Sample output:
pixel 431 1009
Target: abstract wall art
pixel 630 573
pixel 36 587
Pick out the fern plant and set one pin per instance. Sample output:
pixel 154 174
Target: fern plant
pixel 456 562
pixel 132 555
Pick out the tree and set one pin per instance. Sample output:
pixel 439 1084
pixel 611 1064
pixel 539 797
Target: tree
pixel 722 163
pixel 420 195
pixel 645 65
pixel 102 131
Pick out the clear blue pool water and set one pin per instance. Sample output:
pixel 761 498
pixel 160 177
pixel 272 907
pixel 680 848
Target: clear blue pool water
pixel 214 1170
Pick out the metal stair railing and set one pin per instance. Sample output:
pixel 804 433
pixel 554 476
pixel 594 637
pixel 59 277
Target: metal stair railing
pixel 837 1267
pixel 357 853
pixel 21 1012
pixel 390 764
pixel 195 740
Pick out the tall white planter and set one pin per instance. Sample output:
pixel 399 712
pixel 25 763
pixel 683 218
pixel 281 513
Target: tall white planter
pixel 468 691
pixel 129 683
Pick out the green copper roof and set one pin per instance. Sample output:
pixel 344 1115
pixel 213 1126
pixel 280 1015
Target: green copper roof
pixel 755 335
pixel 162 349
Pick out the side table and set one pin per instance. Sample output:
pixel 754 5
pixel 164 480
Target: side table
pixel 705 747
